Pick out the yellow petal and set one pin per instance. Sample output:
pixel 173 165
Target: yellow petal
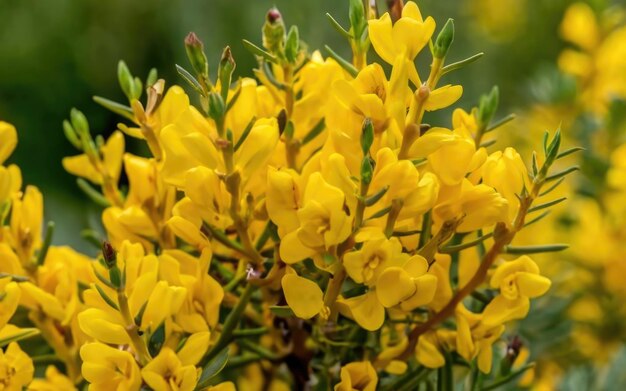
pixel 80 165
pixel 393 286
pixel 428 354
pixel 366 310
pixel 303 296
pixel 380 34
pixel 532 285
pixel 443 97
pixel 8 140
pixel 501 310
pixel 195 347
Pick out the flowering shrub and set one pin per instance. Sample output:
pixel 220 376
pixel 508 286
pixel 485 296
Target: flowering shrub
pixel 305 228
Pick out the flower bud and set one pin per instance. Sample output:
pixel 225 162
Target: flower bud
pixel 216 106
pixel 125 78
pixel 444 40
pixel 488 106
pixel 367 136
pixel 367 170
pixel 358 22
pixel 225 71
pixel 292 46
pixel 195 52
pixel 109 254
pixel 274 31
pixel 71 135
pixel 79 123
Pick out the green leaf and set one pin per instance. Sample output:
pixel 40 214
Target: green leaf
pixel 536 219
pixel 545 248
pixel 314 132
pixel 500 122
pixel 345 64
pixel 195 84
pixel 156 340
pixel 338 27
pixel 41 257
pixel 20 335
pixel 451 249
pixel 374 198
pixel 254 49
pixel 460 64
pixel 212 368
pixel 267 71
pixel 106 298
pixel 554 186
pixel 562 174
pixel 546 204
pixel 512 376
pixel 569 152
pixel 282 311
pixel 115 107
pixel 245 133
pixel 92 193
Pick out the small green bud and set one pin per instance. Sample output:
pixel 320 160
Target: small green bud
pixel 225 72
pixel 488 105
pixel 367 136
pixel 137 88
pixel 367 170
pixel 125 78
pixel 195 53
pixel 79 123
pixel 292 46
pixel 71 135
pixel 358 22
pixel 152 77
pixel 444 40
pixel 217 108
pixel 109 254
pixel 274 32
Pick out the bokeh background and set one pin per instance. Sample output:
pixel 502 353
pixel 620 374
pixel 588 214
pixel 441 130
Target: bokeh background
pixel 57 55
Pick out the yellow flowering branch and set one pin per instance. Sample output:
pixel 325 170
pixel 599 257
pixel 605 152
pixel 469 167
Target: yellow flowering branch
pixel 503 236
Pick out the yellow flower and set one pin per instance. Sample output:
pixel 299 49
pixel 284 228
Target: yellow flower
pixel 518 281
pixel 477 205
pixel 407 287
pixel 475 339
pixel 107 168
pixel 8 140
pixel 54 381
pixel 451 154
pixel 107 368
pixel 10 182
pixel 323 221
pixel 10 298
pixel 506 172
pixel 55 290
pixel 200 310
pixel 16 368
pixel 403 284
pixel 579 26
pixel 26 224
pixel 303 296
pixel 407 37
pixel 404 182
pixel 366 95
pixel 166 372
pixel 357 376
pixel 365 265
pixel 519 278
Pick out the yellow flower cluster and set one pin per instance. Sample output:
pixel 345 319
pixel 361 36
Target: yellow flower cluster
pixel 307 217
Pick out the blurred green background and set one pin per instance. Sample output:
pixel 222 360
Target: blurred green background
pixel 57 55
